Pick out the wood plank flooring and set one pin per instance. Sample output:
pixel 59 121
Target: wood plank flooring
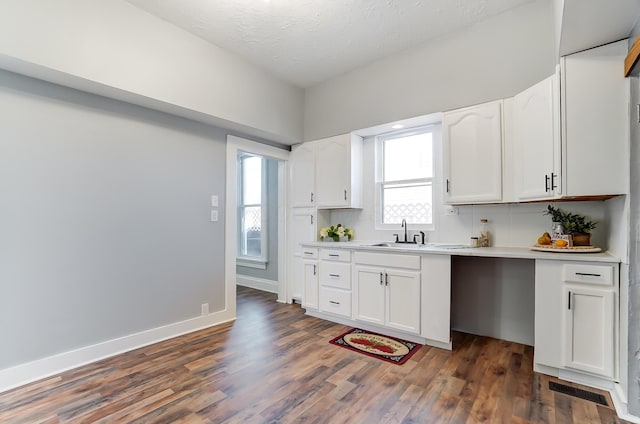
pixel 275 365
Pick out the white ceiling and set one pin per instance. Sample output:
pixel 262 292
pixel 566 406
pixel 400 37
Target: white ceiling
pixel 306 42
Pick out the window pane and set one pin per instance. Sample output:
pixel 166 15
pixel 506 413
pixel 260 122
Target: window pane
pixel 407 158
pixel 407 201
pixel 251 180
pixel 251 231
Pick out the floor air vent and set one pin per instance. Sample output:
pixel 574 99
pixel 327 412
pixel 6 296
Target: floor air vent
pixel 579 393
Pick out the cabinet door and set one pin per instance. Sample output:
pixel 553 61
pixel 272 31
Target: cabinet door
pixel 370 291
pixel 302 162
pixel 334 171
pixel 310 277
pixel 589 330
pixel 536 140
pixel 303 229
pixel 473 154
pixel 595 111
pixel 403 300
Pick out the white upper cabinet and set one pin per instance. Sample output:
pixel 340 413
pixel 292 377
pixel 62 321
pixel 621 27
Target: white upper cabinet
pixel 536 140
pixel 473 154
pixel 339 172
pixel 595 122
pixel 303 170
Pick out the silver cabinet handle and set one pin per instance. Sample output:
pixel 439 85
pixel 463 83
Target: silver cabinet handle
pixel 333 255
pixel 334 275
pixel 308 253
pixel 334 302
pixel 345 195
pixel 311 219
pixel 386 279
pixel 380 278
pixel 569 302
pixel 314 269
pixel 312 197
pixel 588 274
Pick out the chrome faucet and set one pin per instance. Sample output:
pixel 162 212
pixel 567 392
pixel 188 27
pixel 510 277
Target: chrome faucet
pixel 404 225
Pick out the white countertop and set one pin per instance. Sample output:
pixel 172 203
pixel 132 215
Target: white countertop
pixel 454 250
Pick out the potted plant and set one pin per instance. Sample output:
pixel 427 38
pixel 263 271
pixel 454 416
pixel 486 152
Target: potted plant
pixel 574 224
pixel 336 233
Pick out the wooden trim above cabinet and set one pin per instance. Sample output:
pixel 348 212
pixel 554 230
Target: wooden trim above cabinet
pixel 632 57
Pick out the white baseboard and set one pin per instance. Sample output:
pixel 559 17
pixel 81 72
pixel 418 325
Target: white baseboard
pixel 257 283
pixel 36 370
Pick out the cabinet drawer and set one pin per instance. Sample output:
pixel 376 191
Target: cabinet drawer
pixel 588 274
pixel 335 275
pixel 335 255
pixel 335 301
pixel 309 253
pixel 387 260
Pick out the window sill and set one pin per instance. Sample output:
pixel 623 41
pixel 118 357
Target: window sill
pixel 252 263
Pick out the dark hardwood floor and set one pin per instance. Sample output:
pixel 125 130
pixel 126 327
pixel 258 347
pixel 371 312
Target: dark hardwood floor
pixel 275 365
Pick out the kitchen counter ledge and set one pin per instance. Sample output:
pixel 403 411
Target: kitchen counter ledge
pixel 491 252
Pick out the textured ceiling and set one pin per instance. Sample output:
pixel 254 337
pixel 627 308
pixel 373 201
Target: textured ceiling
pixel 309 41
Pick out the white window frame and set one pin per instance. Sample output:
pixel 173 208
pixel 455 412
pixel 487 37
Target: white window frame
pixel 434 129
pixel 244 260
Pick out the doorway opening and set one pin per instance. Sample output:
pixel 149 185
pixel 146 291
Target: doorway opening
pixel 255 247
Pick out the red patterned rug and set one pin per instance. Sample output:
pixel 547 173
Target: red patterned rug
pixel 390 349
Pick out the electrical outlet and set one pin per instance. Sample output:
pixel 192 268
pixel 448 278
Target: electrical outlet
pixel 214 216
pixel 451 211
pixel 214 201
pixel 204 309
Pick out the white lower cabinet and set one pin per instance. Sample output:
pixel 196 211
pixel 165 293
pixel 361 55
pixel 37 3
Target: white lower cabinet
pixel 310 278
pixel 575 316
pixel 589 330
pixel 334 280
pixel 388 296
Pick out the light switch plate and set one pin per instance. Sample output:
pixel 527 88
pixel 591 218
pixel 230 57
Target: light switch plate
pixel 214 201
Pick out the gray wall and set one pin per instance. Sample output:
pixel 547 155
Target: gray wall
pixel 271 272
pixel 493 59
pixel 114 49
pixel 104 219
pixel 634 255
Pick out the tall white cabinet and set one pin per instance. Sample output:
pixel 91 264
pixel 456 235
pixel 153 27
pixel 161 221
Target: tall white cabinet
pixel 472 140
pixel 324 174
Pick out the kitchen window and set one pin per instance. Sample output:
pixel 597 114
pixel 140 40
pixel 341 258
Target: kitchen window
pixel 404 177
pixel 252 231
